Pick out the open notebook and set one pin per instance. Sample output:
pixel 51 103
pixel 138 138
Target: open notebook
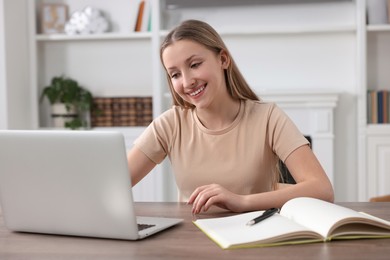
pixel 70 183
pixel 301 220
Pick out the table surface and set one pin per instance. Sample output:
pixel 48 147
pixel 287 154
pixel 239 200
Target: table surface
pixel 186 241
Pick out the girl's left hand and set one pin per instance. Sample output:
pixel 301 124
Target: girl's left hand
pixel 214 194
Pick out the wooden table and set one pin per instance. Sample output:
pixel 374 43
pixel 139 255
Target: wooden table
pixel 186 241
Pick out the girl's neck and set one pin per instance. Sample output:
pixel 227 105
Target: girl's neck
pixel 219 116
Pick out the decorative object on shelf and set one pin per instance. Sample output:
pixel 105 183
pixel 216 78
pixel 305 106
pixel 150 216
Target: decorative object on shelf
pixel 71 103
pixel 88 21
pixel 53 18
pixel 377 11
pixel 122 111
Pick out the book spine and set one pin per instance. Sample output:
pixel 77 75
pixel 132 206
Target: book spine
pixel 102 114
pixel 146 16
pixel 369 107
pixel 150 21
pixel 131 111
pixel 388 106
pixel 138 24
pixel 374 106
pixel 380 106
pixel 148 111
pixel 139 107
pixel 385 107
pixel 115 112
pixel 123 112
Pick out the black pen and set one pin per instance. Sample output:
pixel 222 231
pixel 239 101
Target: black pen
pixel 268 213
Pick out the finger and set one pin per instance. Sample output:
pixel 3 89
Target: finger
pixel 195 194
pixel 202 199
pixel 217 200
pixel 198 203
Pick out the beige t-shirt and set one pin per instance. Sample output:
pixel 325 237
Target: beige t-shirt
pixel 241 157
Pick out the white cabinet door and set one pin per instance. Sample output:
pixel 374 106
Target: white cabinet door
pixel 378 167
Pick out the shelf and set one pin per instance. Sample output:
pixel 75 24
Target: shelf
pixel 378 28
pixel 94 37
pixel 290 30
pixel 283 30
pixel 175 4
pixel 378 129
pixel 126 130
pixel 122 129
pixel 313 98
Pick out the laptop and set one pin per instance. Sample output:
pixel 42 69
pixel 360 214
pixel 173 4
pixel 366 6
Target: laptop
pixel 70 183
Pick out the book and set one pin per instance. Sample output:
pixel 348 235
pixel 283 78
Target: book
pixel 147 113
pixel 301 220
pixel 380 107
pixel 146 17
pixel 369 107
pixel 138 24
pixel 374 107
pixel 385 106
pixel 102 115
pixel 122 111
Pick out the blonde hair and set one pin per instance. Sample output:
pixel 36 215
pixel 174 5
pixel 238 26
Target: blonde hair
pixel 204 34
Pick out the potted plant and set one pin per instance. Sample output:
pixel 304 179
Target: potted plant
pixel 70 103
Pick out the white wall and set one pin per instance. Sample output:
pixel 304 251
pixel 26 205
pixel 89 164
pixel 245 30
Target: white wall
pixel 3 80
pixel 14 65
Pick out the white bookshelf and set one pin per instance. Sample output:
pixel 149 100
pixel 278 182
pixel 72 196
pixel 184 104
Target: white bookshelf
pixel 374 139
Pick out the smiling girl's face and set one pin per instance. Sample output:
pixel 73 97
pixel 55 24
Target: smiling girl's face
pixel 196 73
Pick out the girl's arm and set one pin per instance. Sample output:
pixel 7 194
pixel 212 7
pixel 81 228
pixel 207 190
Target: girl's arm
pixel 303 165
pixel 139 165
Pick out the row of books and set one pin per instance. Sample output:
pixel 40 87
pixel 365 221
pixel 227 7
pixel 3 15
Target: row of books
pixel 122 111
pixel 378 108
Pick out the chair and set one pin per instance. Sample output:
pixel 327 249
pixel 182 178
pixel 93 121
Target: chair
pixel 286 176
pixel 385 198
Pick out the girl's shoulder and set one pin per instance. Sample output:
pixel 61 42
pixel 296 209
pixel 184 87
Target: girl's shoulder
pixel 174 115
pixel 260 106
pixel 176 112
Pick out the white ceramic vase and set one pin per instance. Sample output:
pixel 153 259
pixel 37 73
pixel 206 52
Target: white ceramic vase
pixel 60 115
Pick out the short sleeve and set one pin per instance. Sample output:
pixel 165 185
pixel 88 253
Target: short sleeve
pixel 284 135
pixel 155 141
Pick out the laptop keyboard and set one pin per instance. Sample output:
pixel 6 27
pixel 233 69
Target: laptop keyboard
pixel 144 226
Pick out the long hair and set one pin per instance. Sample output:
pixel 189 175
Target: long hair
pixel 204 34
